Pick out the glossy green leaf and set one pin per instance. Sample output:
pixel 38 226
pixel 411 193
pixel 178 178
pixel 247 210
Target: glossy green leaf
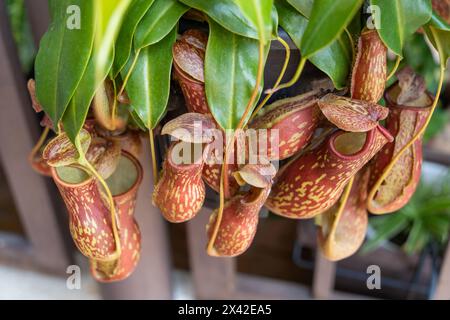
pixel 108 18
pixel 228 14
pixel 124 42
pixel 231 65
pixel 259 12
pixel 136 121
pixel 327 21
pixel 439 23
pixel 63 54
pixel 443 38
pixel 335 59
pixel 399 19
pixel 149 83
pixel 302 6
pixel 441 30
pixel 158 22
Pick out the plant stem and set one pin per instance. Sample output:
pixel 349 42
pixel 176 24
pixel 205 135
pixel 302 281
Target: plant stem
pixel 294 79
pixel 394 160
pixel 85 163
pixel 114 107
pixel 394 69
pixel 127 77
pixel 287 57
pixel 40 142
pixel 352 43
pixel 210 248
pixel 343 203
pixel 153 154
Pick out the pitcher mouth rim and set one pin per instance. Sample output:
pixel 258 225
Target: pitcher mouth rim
pixel 64 183
pixel 370 135
pixel 124 153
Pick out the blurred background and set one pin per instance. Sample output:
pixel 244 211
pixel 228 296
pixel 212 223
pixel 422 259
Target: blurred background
pixel 411 248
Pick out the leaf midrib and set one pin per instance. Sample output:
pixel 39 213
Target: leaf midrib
pixel 399 22
pixel 233 87
pixel 321 19
pixel 155 22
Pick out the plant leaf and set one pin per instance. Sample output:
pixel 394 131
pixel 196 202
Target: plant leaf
pixel 437 22
pixel 327 21
pixel 302 6
pixel 235 59
pixel 136 121
pixel 149 83
pixel 417 238
pixel 59 67
pixel 228 14
pixel 393 224
pixel 158 22
pixel 259 12
pixel 399 19
pixel 124 42
pixel 335 60
pixel 435 34
pixel 108 17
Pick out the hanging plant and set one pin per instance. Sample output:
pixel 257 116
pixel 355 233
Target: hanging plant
pixel 117 82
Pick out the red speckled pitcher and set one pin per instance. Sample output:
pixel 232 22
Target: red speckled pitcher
pixel 312 183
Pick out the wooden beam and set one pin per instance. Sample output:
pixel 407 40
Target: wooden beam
pixel 324 276
pixel 152 277
pixel 214 278
pixel 18 133
pixel 443 287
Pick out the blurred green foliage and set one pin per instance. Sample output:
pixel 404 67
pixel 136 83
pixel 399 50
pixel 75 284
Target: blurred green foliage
pixel 22 33
pixel 425 219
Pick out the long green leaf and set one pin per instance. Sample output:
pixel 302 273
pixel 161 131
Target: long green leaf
pixel 109 15
pixel 124 42
pixel 64 54
pixel 327 21
pixel 302 6
pixel 399 19
pixel 158 22
pixel 438 225
pixel 335 59
pixel 443 37
pixel 438 28
pixel 149 83
pixel 393 224
pixel 231 65
pixel 439 23
pixel 417 238
pixel 228 14
pixel 259 12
